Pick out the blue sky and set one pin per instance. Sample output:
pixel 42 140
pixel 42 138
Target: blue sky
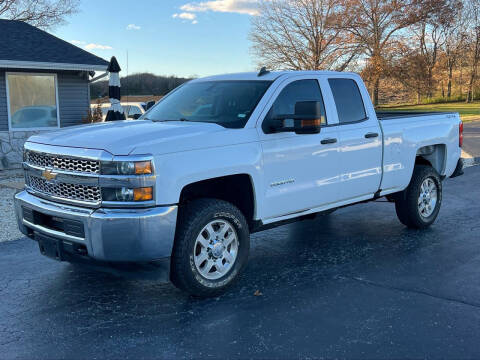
pixel 166 37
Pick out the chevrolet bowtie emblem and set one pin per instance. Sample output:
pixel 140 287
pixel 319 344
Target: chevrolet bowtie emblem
pixel 49 175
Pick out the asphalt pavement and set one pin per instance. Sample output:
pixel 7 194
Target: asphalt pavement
pixel 353 284
pixel 471 139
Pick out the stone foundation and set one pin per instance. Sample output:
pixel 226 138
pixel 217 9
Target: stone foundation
pixel 11 148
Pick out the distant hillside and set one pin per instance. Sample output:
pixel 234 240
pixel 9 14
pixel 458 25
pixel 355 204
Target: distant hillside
pixel 139 84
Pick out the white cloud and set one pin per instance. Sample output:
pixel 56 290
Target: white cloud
pixel 249 7
pixel 92 46
pixel 77 42
pixel 185 16
pixel 133 27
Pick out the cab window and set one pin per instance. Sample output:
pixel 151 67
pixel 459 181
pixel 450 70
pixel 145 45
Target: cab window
pixel 300 90
pixel 348 100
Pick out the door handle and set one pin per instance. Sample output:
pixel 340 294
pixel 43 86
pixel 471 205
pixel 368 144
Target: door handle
pixel 328 141
pixel 371 135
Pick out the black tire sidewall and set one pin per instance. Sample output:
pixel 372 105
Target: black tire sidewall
pixel 429 220
pixel 201 213
pixel 239 261
pixel 420 175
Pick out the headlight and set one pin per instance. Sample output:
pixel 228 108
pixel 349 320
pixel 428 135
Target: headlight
pixel 127 195
pixel 127 167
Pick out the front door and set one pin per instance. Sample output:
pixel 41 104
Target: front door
pixel 301 172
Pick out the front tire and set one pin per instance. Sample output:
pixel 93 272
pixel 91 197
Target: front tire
pixel 419 204
pixel 211 247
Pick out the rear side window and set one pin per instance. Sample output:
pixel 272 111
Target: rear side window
pixel 348 100
pixel 300 90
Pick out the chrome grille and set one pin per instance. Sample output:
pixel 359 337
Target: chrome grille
pixel 64 190
pixel 62 162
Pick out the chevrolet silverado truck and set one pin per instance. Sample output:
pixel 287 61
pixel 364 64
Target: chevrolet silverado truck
pixel 222 157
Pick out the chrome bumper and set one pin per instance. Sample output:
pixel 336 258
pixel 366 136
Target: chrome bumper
pixel 109 234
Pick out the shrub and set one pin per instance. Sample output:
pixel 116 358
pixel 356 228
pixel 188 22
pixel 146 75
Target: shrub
pixel 93 116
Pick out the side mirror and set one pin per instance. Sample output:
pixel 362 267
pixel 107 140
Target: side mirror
pixel 135 116
pixel 307 119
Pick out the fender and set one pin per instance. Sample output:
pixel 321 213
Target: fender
pixel 207 164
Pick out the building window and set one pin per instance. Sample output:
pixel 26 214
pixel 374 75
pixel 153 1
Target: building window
pixel 32 101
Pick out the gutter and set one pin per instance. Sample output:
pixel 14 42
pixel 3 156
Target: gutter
pixel 12 64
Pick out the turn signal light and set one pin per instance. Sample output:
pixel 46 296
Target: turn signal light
pixel 143 167
pixel 143 194
pixel 311 122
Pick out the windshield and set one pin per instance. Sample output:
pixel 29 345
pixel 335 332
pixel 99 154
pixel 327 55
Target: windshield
pixel 227 103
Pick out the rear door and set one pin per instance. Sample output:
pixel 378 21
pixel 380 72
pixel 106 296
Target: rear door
pixel 360 140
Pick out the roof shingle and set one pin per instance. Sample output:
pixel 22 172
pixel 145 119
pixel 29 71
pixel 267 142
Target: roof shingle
pixel 20 42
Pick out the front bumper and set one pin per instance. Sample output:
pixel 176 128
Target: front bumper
pixel 124 235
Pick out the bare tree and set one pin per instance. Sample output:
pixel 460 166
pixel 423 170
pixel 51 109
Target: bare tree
pixel 454 45
pixel 409 67
pixel 376 28
pixel 472 12
pixel 302 35
pixel 432 33
pixel 40 13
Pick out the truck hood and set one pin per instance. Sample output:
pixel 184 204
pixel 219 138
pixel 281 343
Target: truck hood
pixel 123 137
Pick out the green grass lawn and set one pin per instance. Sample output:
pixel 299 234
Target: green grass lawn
pixel 467 112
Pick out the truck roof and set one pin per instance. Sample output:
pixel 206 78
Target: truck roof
pixel 269 76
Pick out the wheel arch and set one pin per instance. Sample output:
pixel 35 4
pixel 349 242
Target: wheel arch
pixel 432 155
pixel 237 189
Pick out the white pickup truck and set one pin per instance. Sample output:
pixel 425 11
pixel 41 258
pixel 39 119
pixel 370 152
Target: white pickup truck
pixel 224 156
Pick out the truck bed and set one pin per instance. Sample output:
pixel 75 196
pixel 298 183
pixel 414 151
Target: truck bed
pixel 390 115
pixel 405 132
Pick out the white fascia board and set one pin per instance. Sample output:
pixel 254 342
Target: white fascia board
pixel 12 64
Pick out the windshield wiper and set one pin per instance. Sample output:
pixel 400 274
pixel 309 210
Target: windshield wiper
pixel 167 120
pixel 181 119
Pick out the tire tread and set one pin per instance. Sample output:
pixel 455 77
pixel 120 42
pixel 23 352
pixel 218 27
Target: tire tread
pixel 189 216
pixel 406 203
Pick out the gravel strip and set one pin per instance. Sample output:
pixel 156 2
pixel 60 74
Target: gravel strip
pixel 8 224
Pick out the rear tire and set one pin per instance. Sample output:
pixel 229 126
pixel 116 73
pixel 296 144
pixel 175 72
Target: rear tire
pixel 211 247
pixel 419 204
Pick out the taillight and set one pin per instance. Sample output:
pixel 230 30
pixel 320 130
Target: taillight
pixel 460 134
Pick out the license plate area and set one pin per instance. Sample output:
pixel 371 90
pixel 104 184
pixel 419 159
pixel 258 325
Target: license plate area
pixel 50 247
pixel 59 249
